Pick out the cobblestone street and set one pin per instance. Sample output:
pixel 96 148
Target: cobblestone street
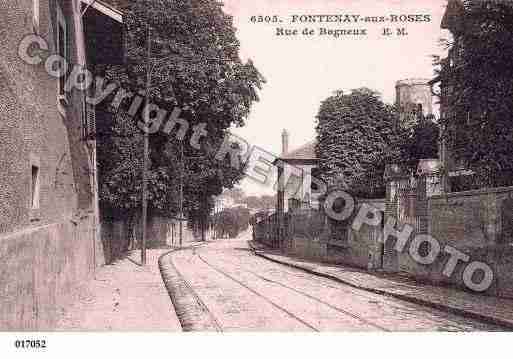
pixel 244 292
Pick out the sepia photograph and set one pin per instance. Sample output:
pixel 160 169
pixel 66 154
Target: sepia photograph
pixel 284 167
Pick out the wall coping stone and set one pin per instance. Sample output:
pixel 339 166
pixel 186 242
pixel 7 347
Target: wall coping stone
pixel 476 192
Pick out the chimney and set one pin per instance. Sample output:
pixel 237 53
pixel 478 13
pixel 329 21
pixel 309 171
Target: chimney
pixel 284 142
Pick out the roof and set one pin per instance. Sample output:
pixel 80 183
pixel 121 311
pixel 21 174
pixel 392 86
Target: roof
pixel 302 155
pixel 112 8
pixel 305 152
pixel 412 82
pixel 119 5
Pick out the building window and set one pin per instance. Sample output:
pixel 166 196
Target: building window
pixel 35 16
pixel 420 110
pixel 35 187
pixel 61 43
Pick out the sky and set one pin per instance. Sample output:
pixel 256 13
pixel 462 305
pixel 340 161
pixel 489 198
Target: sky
pixel 302 71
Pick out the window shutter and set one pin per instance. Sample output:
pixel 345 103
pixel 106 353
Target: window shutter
pixel 89 127
pixel 35 16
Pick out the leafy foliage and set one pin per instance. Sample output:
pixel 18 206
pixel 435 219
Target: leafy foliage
pixel 355 133
pixel 410 144
pixel 195 60
pixel 194 66
pixel 235 194
pixel 358 135
pixel 120 163
pixel 420 142
pixel 479 91
pixel 231 222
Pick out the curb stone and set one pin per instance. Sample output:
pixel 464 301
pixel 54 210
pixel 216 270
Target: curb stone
pixel 412 299
pixel 190 309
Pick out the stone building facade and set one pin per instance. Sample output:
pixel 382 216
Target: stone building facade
pixel 38 142
pixel 295 176
pixel 49 235
pixel 414 99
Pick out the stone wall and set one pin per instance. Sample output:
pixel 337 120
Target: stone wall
pixel 34 132
pixel 361 248
pixel 45 250
pixel 115 240
pixel 41 268
pixel 162 232
pixel 303 231
pixel 309 234
pixel 307 248
pixel 473 218
pixel 479 224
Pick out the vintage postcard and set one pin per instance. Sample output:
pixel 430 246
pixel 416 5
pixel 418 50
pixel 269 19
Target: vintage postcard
pixel 236 166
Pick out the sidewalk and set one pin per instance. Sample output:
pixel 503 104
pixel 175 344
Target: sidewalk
pixel 488 309
pixel 123 297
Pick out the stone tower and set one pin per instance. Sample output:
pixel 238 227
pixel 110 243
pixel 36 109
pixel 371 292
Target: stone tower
pixel 413 99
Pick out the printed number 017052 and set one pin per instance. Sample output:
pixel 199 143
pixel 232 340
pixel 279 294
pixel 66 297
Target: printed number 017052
pixel 30 344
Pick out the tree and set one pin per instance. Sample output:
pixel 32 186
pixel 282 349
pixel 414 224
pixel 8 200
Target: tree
pixel 268 202
pixel 252 201
pixel 232 221
pixel 263 202
pixel 236 194
pixel 421 142
pixel 195 66
pixel 196 59
pixel 354 132
pixel 479 129
pixel 410 145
